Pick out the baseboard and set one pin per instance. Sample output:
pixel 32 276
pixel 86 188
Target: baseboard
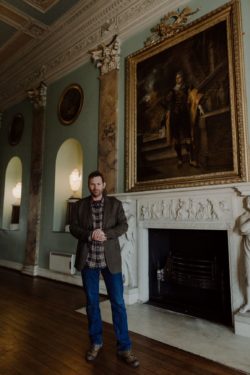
pixel 42 272
pixel 69 279
pixel 10 264
pixel 130 295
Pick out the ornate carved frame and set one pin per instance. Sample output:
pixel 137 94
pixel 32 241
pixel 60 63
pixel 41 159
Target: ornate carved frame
pixel 70 104
pixel 150 73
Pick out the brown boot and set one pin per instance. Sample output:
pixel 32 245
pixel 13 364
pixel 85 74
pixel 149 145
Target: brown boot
pixel 128 357
pixel 93 352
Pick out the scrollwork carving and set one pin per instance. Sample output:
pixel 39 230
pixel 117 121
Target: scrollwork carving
pixel 107 57
pixel 170 24
pixel 38 96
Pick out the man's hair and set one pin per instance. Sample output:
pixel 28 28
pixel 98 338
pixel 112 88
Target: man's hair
pixel 180 73
pixel 95 174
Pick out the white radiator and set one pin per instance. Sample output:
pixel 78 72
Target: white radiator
pixel 62 262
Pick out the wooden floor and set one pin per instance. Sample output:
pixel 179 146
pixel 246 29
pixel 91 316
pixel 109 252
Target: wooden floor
pixel 41 334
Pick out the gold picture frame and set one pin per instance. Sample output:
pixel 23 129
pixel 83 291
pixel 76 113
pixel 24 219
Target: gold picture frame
pixel 188 134
pixel 70 104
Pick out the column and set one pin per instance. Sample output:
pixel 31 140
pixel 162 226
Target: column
pixel 107 59
pixel 38 100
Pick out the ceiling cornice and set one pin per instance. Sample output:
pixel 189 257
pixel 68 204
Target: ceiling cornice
pixel 66 46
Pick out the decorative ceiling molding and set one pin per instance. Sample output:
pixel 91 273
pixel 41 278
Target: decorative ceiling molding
pixel 41 5
pixel 12 16
pixel 27 29
pixel 66 46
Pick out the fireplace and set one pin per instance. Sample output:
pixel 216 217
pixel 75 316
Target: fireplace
pixel 211 214
pixel 189 273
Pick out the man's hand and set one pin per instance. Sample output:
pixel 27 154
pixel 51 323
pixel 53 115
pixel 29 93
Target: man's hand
pixel 98 235
pixel 202 113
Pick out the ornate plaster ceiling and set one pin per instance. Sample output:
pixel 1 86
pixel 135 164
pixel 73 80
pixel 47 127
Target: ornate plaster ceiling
pixel 45 39
pixel 25 23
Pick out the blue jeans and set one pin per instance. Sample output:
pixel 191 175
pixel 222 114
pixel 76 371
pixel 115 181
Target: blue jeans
pixel 114 285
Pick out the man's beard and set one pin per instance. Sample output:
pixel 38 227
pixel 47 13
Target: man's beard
pixel 96 193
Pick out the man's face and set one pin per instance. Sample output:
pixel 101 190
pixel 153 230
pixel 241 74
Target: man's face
pixel 96 187
pixel 179 78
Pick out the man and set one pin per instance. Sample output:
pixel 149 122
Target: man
pixel 99 221
pixel 182 104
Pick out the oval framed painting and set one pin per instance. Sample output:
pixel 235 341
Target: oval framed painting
pixel 16 129
pixel 70 104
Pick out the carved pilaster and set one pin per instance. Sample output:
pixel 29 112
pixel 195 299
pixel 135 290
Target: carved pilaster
pixel 244 228
pixel 128 246
pixel 106 58
pixel 38 99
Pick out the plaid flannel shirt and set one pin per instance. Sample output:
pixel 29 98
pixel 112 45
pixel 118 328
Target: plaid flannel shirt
pixel 96 257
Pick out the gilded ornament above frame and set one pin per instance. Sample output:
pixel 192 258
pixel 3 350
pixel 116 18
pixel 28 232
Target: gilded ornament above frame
pixel 70 104
pixel 185 106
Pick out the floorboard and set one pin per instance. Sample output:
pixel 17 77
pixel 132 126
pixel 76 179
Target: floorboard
pixel 42 334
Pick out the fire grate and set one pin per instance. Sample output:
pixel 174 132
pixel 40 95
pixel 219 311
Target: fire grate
pixel 199 273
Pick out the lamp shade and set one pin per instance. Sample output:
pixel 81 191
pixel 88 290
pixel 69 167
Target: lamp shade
pixel 75 179
pixel 17 190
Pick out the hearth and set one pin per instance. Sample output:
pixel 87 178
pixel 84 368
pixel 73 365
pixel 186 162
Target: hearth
pixel 189 272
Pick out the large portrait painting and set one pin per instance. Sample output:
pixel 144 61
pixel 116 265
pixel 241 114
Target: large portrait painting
pixel 184 107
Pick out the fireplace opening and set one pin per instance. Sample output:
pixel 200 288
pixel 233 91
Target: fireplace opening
pixel 189 273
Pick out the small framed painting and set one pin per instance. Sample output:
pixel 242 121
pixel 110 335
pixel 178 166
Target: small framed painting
pixel 70 104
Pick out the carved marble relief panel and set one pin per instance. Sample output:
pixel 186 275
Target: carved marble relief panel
pixel 194 209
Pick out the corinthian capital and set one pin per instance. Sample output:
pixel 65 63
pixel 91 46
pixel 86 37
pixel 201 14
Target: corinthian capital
pixel 107 57
pixel 38 96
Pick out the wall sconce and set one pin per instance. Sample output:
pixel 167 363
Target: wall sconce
pixel 17 192
pixel 75 180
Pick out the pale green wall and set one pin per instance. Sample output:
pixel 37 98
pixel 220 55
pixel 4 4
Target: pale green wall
pixel 12 243
pixel 84 130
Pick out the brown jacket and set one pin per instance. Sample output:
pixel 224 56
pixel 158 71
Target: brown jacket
pixel 114 225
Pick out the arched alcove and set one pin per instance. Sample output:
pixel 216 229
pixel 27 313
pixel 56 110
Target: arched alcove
pixel 69 158
pixel 13 177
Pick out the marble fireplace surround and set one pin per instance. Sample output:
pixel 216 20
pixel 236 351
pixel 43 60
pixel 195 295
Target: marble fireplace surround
pixel 208 208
